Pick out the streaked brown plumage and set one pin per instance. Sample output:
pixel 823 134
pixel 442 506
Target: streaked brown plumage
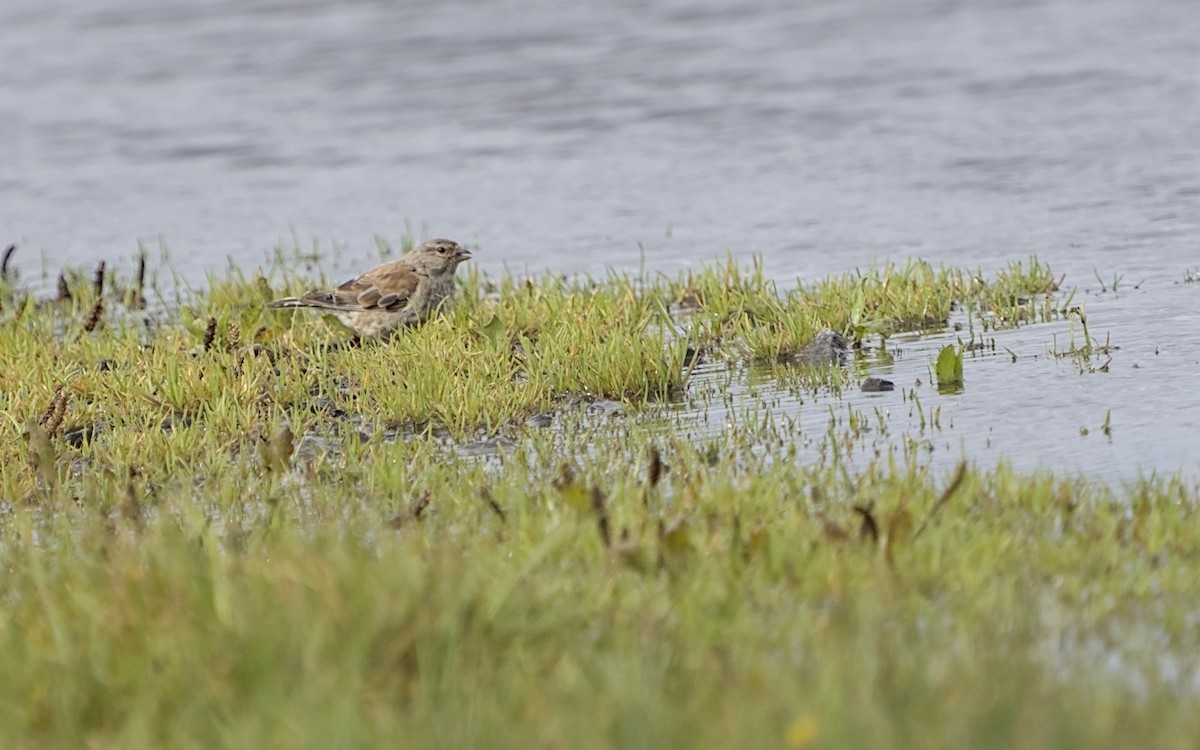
pixel 404 292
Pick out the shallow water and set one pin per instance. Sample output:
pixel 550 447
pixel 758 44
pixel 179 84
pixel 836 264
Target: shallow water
pixel 1026 400
pixel 822 135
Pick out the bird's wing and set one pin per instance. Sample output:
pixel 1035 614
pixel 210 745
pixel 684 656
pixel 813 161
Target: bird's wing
pixel 386 287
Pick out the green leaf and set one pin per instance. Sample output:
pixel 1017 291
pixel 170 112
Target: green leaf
pixel 949 369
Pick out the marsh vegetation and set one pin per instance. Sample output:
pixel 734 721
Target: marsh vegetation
pixel 227 526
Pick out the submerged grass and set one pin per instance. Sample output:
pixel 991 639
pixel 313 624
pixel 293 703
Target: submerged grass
pixel 180 571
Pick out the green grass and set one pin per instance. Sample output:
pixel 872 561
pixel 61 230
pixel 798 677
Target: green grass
pixel 182 578
pixel 742 310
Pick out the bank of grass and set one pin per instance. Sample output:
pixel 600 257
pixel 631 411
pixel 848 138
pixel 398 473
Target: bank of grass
pixel 742 310
pixel 176 575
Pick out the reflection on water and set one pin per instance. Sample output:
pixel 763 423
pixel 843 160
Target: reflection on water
pixel 824 135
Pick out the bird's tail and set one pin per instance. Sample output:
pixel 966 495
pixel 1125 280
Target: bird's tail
pixel 288 302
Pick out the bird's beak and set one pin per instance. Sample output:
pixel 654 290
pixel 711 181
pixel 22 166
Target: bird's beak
pixel 462 255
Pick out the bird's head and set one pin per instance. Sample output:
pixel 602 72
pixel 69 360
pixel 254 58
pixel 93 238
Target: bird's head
pixel 440 255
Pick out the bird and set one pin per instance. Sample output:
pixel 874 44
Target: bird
pixel 404 292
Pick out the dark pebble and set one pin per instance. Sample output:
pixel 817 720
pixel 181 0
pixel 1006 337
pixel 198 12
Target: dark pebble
pixel 877 385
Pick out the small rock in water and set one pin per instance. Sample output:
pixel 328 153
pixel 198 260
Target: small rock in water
pixel 877 385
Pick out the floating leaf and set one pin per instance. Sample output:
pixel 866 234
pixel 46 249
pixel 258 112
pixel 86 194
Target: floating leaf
pixel 949 368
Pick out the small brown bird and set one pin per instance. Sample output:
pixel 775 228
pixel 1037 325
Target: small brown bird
pixel 405 292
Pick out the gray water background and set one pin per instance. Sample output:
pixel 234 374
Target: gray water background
pixel 823 135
